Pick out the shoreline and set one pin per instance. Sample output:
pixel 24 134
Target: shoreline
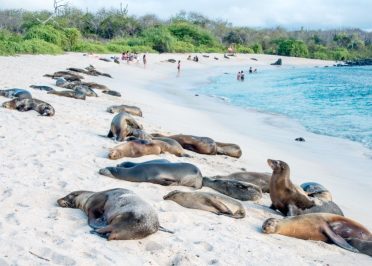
pixel 46 158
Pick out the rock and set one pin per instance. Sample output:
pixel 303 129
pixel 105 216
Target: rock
pixel 301 139
pixel 172 60
pixel 277 62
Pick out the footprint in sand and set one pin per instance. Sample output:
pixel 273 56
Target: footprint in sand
pixel 6 194
pixel 12 218
pixel 205 245
pixel 54 257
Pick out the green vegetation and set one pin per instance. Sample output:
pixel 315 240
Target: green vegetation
pixel 114 31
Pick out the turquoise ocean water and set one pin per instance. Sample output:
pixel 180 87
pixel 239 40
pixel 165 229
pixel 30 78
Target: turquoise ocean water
pixel 334 101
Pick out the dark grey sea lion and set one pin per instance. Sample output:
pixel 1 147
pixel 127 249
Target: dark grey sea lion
pixel 16 93
pixel 172 60
pixel 166 174
pixel 112 93
pixel 71 94
pixel 261 180
pixel 94 72
pixel 67 75
pixel 131 164
pixel 85 90
pixel 42 88
pixel 317 190
pixel 323 207
pixel 363 246
pixel 133 110
pixel 23 105
pixel 212 202
pixel 229 149
pixel 115 214
pixel 122 125
pixel 233 188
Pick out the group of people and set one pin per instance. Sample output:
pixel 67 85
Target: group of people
pixel 240 75
pixel 195 58
pixel 130 57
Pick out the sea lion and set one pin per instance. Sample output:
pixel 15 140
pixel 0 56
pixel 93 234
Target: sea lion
pixel 115 214
pixel 67 75
pixel 133 110
pixel 42 88
pixel 122 125
pixel 85 90
pixel 321 207
pixel 71 94
pixel 166 174
pixel 202 145
pixel 173 146
pixel 138 134
pixel 23 105
pixel 94 85
pixel 91 70
pixel 261 180
pixel 16 93
pixel 112 93
pixel 229 149
pixel 313 189
pixel 363 246
pixel 282 191
pixel 233 188
pixel 212 202
pixel 131 164
pixel 319 226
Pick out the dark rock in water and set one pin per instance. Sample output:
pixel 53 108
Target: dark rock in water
pixel 172 60
pixel 357 62
pixel 196 94
pixel 301 139
pixel 277 62
pixel 254 59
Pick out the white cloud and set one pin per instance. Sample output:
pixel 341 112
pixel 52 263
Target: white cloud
pixel 253 13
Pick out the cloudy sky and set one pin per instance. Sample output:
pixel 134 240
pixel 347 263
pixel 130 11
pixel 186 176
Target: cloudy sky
pixel 312 14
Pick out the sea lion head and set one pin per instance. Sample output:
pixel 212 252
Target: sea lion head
pixel 270 226
pixel 10 104
pixel 114 154
pixel 72 200
pixel 171 195
pixel 47 111
pixel 277 165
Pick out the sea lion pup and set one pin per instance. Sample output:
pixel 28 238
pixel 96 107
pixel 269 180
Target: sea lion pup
pixel 166 174
pixel 233 188
pixel 319 226
pixel 262 180
pixel 42 88
pixel 71 94
pixel 122 125
pixel 112 93
pixel 229 149
pixel 202 145
pixel 115 214
pixel 317 190
pixel 16 93
pixel 133 110
pixel 23 105
pixel 212 202
pixel 282 191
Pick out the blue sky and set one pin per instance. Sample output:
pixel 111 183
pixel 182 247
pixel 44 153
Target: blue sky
pixel 312 14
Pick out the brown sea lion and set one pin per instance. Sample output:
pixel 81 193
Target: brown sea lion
pixel 140 147
pixel 138 134
pixel 94 72
pixel 283 192
pixel 364 246
pixel 229 149
pixel 16 93
pixel 122 125
pixel 162 173
pixel 70 94
pixel 320 226
pixel 202 145
pixel 316 190
pixel 261 180
pixel 212 202
pixel 94 85
pixel 115 214
pixel 67 75
pixel 112 93
pixel 133 110
pixel 23 105
pixel 233 188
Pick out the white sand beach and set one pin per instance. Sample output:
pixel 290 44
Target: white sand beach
pixel 45 158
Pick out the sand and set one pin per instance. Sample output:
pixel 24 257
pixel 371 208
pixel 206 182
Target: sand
pixel 45 158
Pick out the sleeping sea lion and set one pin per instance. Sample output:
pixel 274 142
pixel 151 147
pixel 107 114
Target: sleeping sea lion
pixel 166 174
pixel 115 214
pixel 322 227
pixel 133 110
pixel 85 90
pixel 212 202
pixel 233 188
pixel 42 88
pixel 202 145
pixel 261 180
pixel 229 149
pixel 122 125
pixel 16 93
pixel 317 190
pixel 112 93
pixel 70 94
pixel 23 105
pixel 282 191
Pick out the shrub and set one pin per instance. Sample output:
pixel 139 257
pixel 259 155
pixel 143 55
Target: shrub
pixel 244 49
pixel 290 47
pixel 48 34
pixel 188 32
pixel 183 47
pixel 35 46
pixel 89 47
pixel 257 48
pixel 73 36
pixel 159 38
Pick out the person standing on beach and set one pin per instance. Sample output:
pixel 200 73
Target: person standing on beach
pixel 238 76
pixel 242 75
pixel 144 60
pixel 179 66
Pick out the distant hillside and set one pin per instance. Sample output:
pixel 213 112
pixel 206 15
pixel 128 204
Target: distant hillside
pixel 114 31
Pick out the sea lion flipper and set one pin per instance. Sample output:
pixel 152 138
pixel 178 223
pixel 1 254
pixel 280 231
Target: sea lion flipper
pixel 110 134
pixel 338 240
pixel 97 223
pixel 221 208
